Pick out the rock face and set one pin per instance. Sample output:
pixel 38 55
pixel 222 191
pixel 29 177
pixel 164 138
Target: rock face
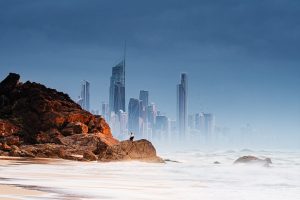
pixel 253 160
pixel 130 150
pixel 36 121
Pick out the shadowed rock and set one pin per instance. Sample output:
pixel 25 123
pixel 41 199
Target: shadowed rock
pixel 9 83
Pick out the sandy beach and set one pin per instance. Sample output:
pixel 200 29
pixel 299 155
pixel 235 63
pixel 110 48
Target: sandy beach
pixel 6 191
pixel 195 176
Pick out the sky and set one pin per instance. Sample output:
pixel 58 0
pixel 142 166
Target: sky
pixel 241 57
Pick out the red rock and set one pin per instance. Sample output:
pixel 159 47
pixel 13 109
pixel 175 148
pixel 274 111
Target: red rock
pixel 75 128
pixel 80 128
pixel 130 150
pixel 50 136
pixel 103 127
pixel 5 147
pixel 90 156
pixel 7 128
pixel 43 122
pixel 12 140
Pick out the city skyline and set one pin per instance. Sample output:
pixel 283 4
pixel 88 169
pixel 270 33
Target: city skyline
pixel 241 58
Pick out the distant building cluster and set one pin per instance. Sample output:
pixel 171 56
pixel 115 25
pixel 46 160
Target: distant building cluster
pixel 142 117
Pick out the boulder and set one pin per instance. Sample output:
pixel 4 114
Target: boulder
pixel 90 156
pixel 253 160
pixel 50 136
pixel 16 152
pixel 142 150
pixel 5 147
pixel 80 128
pixel 75 128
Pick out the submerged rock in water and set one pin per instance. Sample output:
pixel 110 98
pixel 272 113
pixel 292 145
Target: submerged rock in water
pixel 36 121
pixel 169 160
pixel 253 160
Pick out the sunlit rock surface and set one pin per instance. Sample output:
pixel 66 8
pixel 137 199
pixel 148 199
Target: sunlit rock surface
pixel 36 121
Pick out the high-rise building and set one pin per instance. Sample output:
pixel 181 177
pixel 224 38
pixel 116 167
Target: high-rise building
pixel 182 90
pixel 205 123
pixel 105 110
pixel 117 88
pixel 209 124
pixel 191 121
pixel 144 96
pixel 85 95
pixel 134 116
pixel 162 124
pixel 199 122
pixel 123 117
pixel 151 116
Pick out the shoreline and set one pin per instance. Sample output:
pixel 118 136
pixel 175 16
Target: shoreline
pixel 11 191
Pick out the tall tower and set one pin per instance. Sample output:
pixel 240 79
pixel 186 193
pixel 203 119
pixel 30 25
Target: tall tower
pixel 134 116
pixel 117 87
pixel 105 110
pixel 182 90
pixel 85 95
pixel 144 97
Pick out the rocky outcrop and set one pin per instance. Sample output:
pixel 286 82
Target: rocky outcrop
pixel 36 121
pixel 130 150
pixel 253 160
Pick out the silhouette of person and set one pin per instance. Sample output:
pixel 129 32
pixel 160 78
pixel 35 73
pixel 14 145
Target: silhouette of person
pixel 131 136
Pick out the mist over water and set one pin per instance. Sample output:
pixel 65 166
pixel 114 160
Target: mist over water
pixel 193 176
pixel 213 142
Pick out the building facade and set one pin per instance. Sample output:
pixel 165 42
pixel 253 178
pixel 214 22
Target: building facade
pixel 182 95
pixel 134 116
pixel 117 88
pixel 85 95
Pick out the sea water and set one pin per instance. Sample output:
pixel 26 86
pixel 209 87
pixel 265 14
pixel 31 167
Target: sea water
pixel 193 176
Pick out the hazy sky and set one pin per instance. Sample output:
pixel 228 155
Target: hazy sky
pixel 241 56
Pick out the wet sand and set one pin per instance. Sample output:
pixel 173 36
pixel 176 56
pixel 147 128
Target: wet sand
pixel 7 190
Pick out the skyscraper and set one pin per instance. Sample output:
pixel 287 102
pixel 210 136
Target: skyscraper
pixel 85 95
pixel 144 95
pixel 191 122
pixel 117 88
pixel 209 124
pixel 151 116
pixel 162 124
pixel 134 116
pixel 105 110
pixel 123 117
pixel 182 105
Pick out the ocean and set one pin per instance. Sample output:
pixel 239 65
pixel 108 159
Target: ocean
pixel 189 175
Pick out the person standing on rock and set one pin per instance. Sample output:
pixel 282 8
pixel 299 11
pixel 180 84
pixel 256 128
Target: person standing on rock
pixel 131 136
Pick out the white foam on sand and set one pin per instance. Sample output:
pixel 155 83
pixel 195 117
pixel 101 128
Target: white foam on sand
pixel 194 177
